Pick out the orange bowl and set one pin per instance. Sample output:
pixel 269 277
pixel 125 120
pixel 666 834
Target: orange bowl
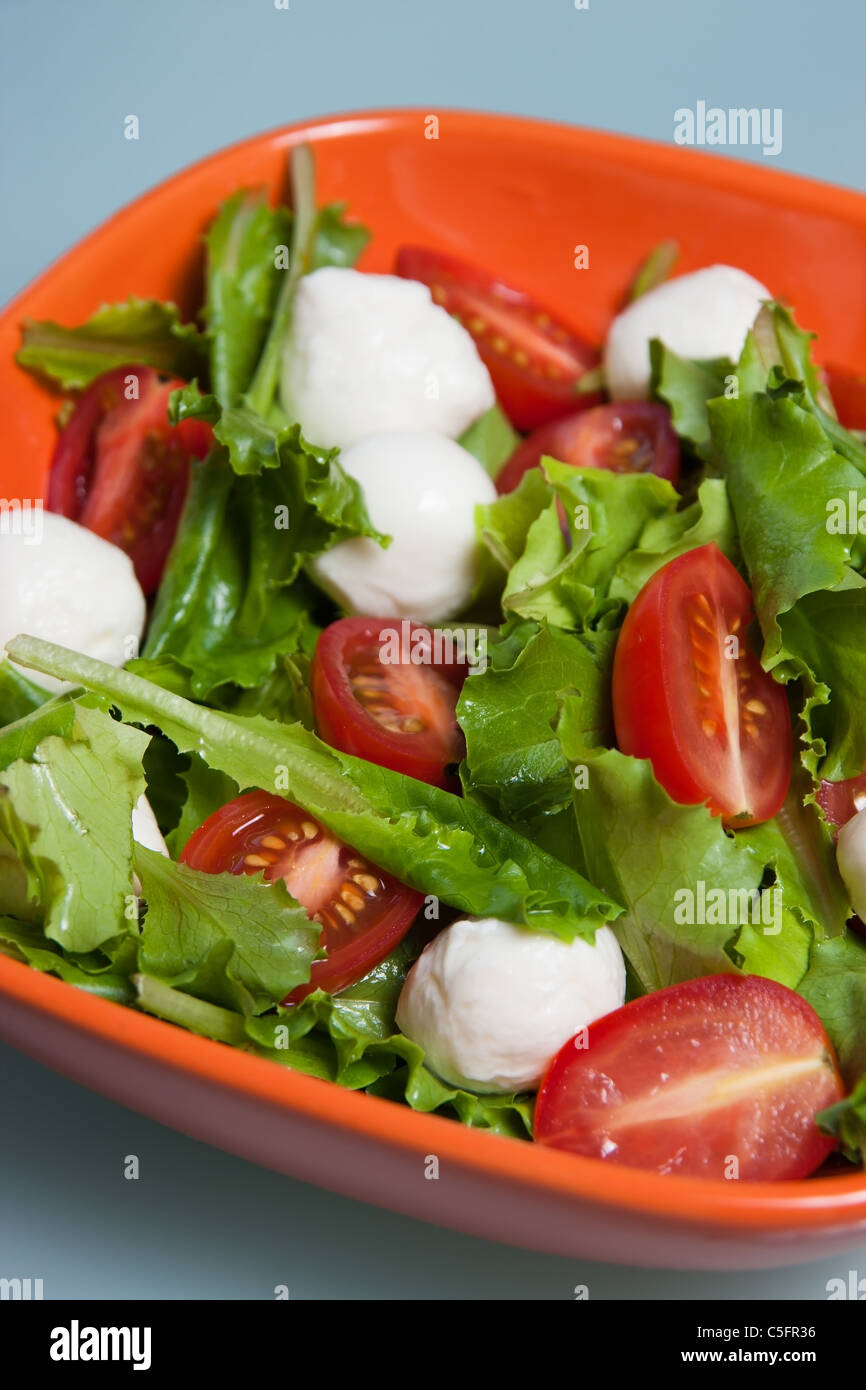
pixel 518 196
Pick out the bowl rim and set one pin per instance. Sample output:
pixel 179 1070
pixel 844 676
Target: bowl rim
pixel 781 1207
pixel 703 166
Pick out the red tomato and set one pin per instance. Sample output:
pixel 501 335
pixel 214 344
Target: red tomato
pixel 121 469
pixel 623 437
pixel 715 726
pixel 693 1076
pixel 534 360
pixel 397 713
pixel 848 390
pixel 841 800
pixel 363 912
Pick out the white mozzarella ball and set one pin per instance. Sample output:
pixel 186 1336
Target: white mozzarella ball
pixel 66 585
pixel 367 353
pixel 491 1003
pixel 145 830
pixel 421 489
pixel 703 315
pixel 851 858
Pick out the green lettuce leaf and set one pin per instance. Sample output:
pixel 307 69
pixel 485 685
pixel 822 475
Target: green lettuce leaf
pixel 66 810
pixel 443 845
pixel 18 695
pixel 491 439
pixel 514 760
pixel 232 939
pixel 232 602
pixel 653 855
pixel 141 332
pixel 243 279
pixel 782 473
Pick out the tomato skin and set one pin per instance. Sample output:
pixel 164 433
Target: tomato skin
pixel 848 390
pixel 347 656
pixel 121 470
pixel 533 358
pixel 675 692
pixel 841 800
pixel 315 868
pixel 663 1083
pixel 594 439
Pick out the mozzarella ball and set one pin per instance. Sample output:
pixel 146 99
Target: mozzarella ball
pixel 367 353
pixel 851 858
pixel 421 490
pixel 66 585
pixel 703 315
pixel 145 830
pixel 491 1003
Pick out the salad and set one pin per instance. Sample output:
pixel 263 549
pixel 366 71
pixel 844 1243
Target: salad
pixel 399 688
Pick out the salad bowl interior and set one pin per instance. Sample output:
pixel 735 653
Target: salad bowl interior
pixel 569 215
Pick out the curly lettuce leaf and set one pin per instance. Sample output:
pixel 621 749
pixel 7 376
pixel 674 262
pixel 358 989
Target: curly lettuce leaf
pixel 514 760
pixel 66 810
pixel 651 853
pixel 783 474
pixel 232 939
pixel 142 332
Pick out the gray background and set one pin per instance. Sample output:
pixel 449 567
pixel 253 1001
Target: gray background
pixel 200 74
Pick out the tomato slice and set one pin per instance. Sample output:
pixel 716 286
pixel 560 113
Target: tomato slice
pixel 686 1080
pixel 690 695
pixel 623 437
pixel 121 469
pixel 399 712
pixel 364 912
pixel 533 358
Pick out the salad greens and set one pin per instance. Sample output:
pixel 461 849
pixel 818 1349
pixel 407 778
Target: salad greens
pixel 556 830
pixel 142 331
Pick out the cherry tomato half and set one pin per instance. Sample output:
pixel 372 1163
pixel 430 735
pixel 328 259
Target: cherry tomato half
pixel 533 359
pixel 364 913
pixel 623 437
pixel 690 695
pixel 693 1076
pixel 372 699
pixel 121 469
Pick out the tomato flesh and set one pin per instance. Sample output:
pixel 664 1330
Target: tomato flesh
pixel 373 700
pixel 534 360
pixel 690 695
pixel 623 437
pixel 121 469
pixel 841 800
pixel 689 1080
pixel 363 912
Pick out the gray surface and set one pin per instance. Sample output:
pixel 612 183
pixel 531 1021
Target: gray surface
pixel 200 74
